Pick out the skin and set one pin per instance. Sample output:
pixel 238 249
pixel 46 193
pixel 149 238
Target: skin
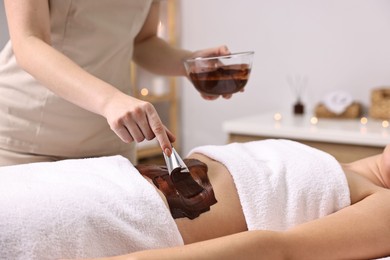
pixel 130 118
pixel 359 231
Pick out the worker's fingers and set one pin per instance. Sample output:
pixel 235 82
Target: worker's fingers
pixel 134 131
pixel 123 134
pixel 171 136
pixel 209 97
pixel 216 51
pixel 159 130
pixel 227 96
pixel 140 122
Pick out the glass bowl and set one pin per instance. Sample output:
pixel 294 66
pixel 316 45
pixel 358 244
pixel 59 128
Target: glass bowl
pixel 220 75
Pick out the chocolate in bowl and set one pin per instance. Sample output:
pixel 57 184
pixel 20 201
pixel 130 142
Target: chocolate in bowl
pixel 220 75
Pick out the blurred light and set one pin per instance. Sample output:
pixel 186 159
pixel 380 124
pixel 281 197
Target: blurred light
pixel 277 117
pixel 161 30
pixel 314 120
pixel 144 92
pixel 363 120
pixel 385 123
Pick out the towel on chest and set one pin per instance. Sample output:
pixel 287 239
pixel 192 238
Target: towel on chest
pixel 282 183
pixel 80 209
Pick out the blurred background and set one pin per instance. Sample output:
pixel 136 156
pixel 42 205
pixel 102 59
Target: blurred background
pixel 336 45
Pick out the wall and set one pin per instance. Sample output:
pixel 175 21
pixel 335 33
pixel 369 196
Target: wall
pixel 3 27
pixel 336 45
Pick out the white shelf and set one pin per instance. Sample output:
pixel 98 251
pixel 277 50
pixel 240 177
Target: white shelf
pixel 343 131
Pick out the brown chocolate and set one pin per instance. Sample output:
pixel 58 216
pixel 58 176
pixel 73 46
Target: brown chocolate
pixel 223 80
pixel 188 194
pixel 184 183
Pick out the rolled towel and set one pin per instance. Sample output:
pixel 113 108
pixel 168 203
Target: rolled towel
pixel 80 209
pixel 337 101
pixel 282 183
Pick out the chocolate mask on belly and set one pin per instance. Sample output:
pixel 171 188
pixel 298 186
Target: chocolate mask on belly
pixel 181 202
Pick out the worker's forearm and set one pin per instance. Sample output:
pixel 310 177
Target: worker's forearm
pixel 157 56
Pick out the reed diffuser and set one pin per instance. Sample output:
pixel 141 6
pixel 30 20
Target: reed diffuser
pixel 297 84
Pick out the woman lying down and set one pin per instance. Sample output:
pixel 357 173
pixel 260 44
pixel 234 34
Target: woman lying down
pixel 275 199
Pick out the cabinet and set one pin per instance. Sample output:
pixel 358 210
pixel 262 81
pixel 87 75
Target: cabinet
pixel 346 139
pixel 161 91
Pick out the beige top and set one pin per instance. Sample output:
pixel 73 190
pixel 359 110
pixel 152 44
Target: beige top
pixel 97 35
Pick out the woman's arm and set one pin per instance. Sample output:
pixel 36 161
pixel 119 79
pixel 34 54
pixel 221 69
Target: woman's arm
pixel 247 245
pixel 360 231
pixel 129 118
pixel 376 168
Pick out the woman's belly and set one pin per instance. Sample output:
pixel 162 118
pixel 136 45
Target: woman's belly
pixel 225 217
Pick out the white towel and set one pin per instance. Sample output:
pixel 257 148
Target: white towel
pixel 282 183
pixel 80 208
pixel 337 101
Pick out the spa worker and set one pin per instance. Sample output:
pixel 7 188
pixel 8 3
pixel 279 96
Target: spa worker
pixel 64 78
